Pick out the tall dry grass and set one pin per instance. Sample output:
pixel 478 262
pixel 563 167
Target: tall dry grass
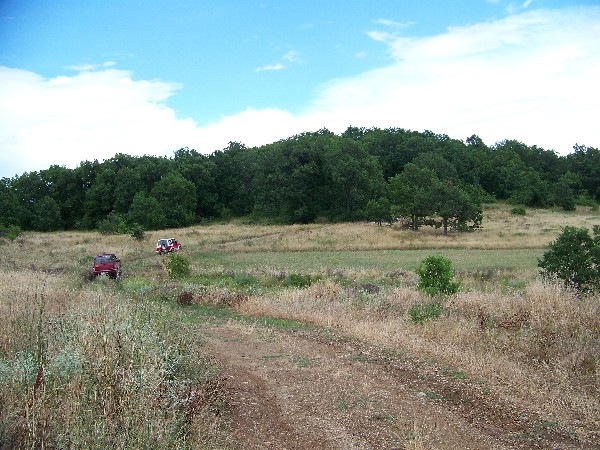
pixel 539 347
pixel 90 367
pixel 116 366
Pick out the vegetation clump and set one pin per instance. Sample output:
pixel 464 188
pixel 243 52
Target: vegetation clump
pixel 436 276
pixel 574 258
pixel 178 266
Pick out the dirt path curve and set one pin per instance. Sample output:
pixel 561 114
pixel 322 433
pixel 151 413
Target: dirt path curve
pixel 290 389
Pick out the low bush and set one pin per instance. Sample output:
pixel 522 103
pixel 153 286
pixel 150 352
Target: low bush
pixel 178 266
pixel 436 276
pixel 425 311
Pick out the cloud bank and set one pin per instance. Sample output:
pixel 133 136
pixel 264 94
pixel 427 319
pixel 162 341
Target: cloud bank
pixel 530 76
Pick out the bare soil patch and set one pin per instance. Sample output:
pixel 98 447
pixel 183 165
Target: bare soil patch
pixel 291 389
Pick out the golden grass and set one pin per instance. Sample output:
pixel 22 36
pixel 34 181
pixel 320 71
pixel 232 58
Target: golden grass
pixel 538 344
pixel 539 347
pixel 86 367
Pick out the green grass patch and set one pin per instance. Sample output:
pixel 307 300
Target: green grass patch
pixel 383 260
pixel 273 322
pixel 422 312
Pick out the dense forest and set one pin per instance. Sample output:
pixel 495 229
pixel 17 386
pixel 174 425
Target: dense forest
pixel 420 178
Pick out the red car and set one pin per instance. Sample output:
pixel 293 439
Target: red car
pixel 167 246
pixel 106 264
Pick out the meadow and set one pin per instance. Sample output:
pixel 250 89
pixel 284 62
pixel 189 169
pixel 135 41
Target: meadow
pixel 95 364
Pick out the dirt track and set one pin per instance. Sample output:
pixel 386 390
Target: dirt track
pixel 290 389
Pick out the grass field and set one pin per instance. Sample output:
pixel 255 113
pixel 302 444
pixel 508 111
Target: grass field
pixel 82 361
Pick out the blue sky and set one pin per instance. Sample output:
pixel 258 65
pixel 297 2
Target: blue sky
pixel 84 80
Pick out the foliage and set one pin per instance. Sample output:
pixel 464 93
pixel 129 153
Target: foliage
pixel 9 232
pixel 422 312
pixel 421 177
pixel 518 211
pixel 436 276
pixel 574 257
pixel 114 223
pixel 137 232
pixel 178 266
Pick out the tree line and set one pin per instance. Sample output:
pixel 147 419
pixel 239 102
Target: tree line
pixel 420 178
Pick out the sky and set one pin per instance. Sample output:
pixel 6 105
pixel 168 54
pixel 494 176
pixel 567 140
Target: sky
pixel 85 80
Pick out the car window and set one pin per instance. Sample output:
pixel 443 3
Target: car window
pixel 105 259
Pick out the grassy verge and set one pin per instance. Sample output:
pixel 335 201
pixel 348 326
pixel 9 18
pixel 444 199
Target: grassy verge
pixel 100 368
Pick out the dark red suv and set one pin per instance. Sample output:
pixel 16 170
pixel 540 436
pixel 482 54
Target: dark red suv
pixel 106 264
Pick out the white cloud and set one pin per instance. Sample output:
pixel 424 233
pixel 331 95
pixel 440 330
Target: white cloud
pixel 531 76
pixel 270 67
pixel 92 115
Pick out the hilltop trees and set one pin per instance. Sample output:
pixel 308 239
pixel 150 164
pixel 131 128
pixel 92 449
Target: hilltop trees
pixel 421 178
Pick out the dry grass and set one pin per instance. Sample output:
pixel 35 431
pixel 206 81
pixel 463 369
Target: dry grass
pixel 87 367
pixel 539 347
pixel 112 360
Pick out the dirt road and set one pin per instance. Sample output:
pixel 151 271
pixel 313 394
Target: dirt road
pixel 307 389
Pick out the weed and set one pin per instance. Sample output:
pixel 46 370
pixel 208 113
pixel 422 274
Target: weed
pixel 178 266
pixel 422 312
pixel 436 275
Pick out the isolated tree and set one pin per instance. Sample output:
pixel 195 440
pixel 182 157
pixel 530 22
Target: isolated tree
pixel 456 205
pixel 411 194
pixel 574 257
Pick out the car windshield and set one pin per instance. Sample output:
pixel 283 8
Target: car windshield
pixel 104 259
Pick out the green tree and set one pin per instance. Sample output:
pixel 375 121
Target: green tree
pixel 378 210
pixel 46 214
pixel 574 257
pixel 411 194
pixel 99 198
pixel 355 177
pixel 201 171
pixel 147 211
pixel 436 276
pixel 456 205
pixel 128 182
pixel 177 197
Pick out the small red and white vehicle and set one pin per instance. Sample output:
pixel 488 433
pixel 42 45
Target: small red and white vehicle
pixel 167 246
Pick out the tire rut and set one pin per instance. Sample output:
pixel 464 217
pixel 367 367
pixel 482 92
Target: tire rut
pixel 303 390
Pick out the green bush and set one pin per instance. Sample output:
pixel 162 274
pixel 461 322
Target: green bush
pixel 425 311
pixel 114 223
pixel 436 276
pixel 9 232
pixel 518 211
pixel 178 266
pixel 298 280
pixel 574 257
pixel 136 231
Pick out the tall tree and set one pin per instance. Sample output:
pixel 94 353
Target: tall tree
pixel 411 193
pixel 177 197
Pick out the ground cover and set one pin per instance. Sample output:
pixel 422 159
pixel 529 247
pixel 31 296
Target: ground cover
pixel 297 337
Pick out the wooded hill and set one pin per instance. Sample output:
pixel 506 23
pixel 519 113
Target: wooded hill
pixel 419 177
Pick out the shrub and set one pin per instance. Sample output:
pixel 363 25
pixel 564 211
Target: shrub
pixel 518 211
pixel 137 232
pixel 436 276
pixel 574 257
pixel 298 280
pixel 114 223
pixel 9 232
pixel 178 266
pixel 425 311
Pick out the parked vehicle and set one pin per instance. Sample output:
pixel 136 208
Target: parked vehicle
pixel 106 264
pixel 167 246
